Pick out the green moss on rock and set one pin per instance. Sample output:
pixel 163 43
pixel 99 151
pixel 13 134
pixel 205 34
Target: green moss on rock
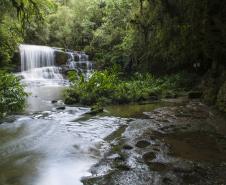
pixel 210 89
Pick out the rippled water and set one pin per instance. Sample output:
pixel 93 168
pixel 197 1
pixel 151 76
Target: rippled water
pixel 48 146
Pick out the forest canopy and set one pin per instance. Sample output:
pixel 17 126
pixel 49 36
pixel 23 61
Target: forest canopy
pixel 143 35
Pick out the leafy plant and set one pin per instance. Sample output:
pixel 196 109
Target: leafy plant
pixel 12 94
pixel 106 87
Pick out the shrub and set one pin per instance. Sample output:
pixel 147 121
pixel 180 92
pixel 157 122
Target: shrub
pixel 107 88
pixel 12 94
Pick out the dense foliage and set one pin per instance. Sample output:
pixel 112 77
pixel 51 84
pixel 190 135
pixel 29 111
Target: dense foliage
pixel 141 35
pixel 12 95
pixel 106 87
pixel 155 36
pixel 148 36
pixel 16 16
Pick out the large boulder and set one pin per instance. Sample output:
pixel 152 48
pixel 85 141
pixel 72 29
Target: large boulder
pixel 61 57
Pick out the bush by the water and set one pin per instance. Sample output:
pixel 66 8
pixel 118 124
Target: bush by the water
pixel 12 94
pixel 107 88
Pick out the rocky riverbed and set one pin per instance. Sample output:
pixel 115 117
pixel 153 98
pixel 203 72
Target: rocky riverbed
pixel 184 143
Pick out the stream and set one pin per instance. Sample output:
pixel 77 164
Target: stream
pixel 170 142
pixel 47 146
pixel 50 144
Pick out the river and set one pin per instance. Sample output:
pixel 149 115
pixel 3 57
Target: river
pixel 50 144
pixel 176 142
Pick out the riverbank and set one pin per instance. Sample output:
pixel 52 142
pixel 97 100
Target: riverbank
pixel 108 87
pixel 180 144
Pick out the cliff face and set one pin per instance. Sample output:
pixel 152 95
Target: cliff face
pixel 214 87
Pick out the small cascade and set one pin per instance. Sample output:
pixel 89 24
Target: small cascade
pixel 79 62
pixel 38 64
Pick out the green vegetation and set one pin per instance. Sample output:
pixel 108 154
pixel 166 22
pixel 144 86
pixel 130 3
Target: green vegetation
pixel 153 37
pixel 107 87
pixel 158 36
pixel 12 95
pixel 15 18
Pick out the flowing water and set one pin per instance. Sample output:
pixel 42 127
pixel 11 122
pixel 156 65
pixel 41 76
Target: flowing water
pixel 183 142
pixel 50 144
pixel 37 64
pixel 83 65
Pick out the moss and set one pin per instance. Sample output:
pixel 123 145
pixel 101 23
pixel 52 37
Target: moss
pixel 210 90
pixel 61 57
pixel 96 109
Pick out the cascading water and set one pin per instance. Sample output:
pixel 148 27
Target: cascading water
pixel 36 56
pixel 51 143
pixel 82 65
pixel 38 64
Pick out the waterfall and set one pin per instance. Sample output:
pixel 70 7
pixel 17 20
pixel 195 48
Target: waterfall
pixel 36 56
pixel 82 64
pixel 37 63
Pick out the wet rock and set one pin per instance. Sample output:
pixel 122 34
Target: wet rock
pixel 61 108
pixel 157 166
pixel 127 147
pixel 96 109
pixel 54 101
pixel 156 149
pixel 60 57
pixel 187 152
pixel 45 114
pixel 122 167
pixel 142 144
pixel 167 181
pixel 148 157
pixel 194 94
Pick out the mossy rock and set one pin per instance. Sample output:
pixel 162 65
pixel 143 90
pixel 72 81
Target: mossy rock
pixel 61 57
pixel 142 144
pixel 96 109
pixel 210 90
pixel 221 98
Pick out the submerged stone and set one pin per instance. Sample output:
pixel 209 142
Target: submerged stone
pixel 54 101
pixel 142 144
pixel 157 166
pixel 61 108
pixel 123 167
pixel 127 147
pixel 148 157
